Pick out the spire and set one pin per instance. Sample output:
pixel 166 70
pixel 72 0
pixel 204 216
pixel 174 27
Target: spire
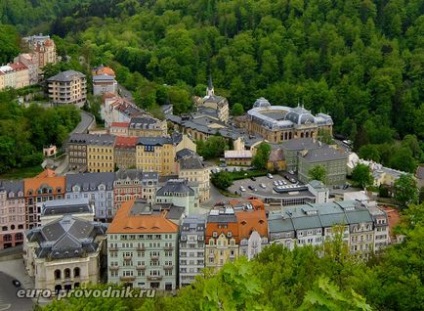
pixel 210 91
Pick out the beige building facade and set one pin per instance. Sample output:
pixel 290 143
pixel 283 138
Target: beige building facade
pixel 68 87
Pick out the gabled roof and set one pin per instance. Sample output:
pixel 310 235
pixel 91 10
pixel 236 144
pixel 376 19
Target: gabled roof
pixel 175 186
pixel 126 141
pixel 191 163
pixel 90 181
pixel 252 220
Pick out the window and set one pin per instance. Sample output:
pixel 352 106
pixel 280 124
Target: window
pixel 57 274
pixel 67 273
pixel 76 272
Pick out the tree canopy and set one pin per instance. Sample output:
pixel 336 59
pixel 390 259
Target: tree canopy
pixel 318 172
pixel 261 157
pixel 361 176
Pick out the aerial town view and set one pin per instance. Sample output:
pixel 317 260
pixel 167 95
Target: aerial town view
pixel 211 155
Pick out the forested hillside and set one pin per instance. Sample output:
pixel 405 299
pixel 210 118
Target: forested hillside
pixel 361 61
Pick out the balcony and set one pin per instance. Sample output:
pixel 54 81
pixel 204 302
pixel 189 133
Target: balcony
pixel 168 248
pixel 154 277
pixel 140 267
pixel 127 257
pixel 168 267
pixel 127 278
pixel 113 268
pixel 141 248
pixel 113 249
pixel 154 257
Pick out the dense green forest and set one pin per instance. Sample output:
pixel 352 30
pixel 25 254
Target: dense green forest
pixel 321 279
pixel 361 61
pixel 24 131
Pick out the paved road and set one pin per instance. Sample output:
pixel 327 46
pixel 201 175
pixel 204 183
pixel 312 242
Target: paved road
pixel 86 120
pixel 8 298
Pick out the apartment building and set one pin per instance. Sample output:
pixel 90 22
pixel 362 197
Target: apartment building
pixel 125 152
pixel 68 87
pixel 100 153
pixel 156 154
pixel 66 252
pixel 119 128
pixel 191 249
pixel 312 224
pixel 76 148
pixel 8 76
pixel 222 237
pixel 178 192
pixel 46 186
pixel 192 169
pixel 147 126
pixel 133 184
pixel 12 213
pixel 97 188
pixel 31 62
pixel 142 248
pixel 21 73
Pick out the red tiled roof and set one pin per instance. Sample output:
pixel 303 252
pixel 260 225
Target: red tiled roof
pixel 126 141
pixel 120 124
pixel 249 221
pixel 18 66
pixel 125 222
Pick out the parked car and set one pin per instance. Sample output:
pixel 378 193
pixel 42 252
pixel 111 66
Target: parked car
pixel 242 189
pixel 262 186
pixel 252 188
pixel 269 175
pixel 275 183
pixel 293 181
pixel 253 178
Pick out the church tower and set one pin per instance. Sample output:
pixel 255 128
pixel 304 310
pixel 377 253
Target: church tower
pixel 209 90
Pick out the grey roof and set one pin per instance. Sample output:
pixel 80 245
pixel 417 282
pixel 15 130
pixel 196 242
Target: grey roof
pixel 192 163
pixel 64 207
pixel 318 215
pixel 14 186
pixel 300 115
pixel 93 139
pixel 103 77
pixel 138 122
pixel 185 153
pixel 135 174
pixel 193 223
pixel 317 184
pixel 90 181
pixel 261 102
pixel 154 141
pixel 66 76
pixel 142 207
pixel 177 137
pixel 324 154
pixel 67 237
pixel 301 144
pixel 79 138
pixel 174 186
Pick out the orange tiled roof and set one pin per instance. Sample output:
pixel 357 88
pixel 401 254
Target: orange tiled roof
pixel 108 95
pixel 126 141
pixel 249 221
pixel 119 124
pixel 123 222
pixel 256 203
pixel 105 71
pixel 48 177
pixel 393 218
pixel 18 66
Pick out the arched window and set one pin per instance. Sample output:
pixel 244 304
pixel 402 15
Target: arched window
pixel 76 272
pixel 57 274
pixel 67 273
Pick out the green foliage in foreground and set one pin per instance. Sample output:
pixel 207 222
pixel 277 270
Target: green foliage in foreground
pixel 328 278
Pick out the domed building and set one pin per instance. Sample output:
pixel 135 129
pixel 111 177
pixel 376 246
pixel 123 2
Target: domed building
pixel 280 123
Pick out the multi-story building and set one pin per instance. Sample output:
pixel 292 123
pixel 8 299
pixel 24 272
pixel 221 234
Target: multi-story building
pixel 12 213
pixel 46 186
pixel 280 123
pixel 68 87
pixel 156 154
pixel 97 188
pixel 77 151
pixel 119 128
pixel 104 81
pixel 222 237
pixel 56 209
pixel 333 160
pixel 8 76
pixel 30 61
pixel 253 231
pixel 179 193
pixel 192 249
pixel 21 74
pixel 65 252
pixel 125 148
pixel 147 126
pixel 312 224
pixel 43 48
pixel 133 184
pixel 192 169
pixel 100 153
pixel 142 248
